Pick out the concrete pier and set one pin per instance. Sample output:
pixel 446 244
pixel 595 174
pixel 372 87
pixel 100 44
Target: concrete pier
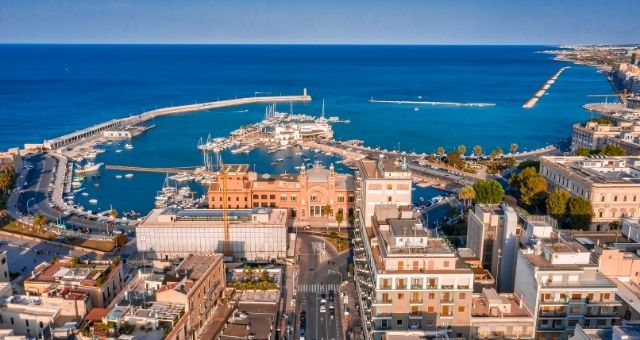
pixel 96 130
pixel 542 90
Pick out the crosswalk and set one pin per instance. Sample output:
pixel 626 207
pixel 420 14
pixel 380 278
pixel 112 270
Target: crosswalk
pixel 317 288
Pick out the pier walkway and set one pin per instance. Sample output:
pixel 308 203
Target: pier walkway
pixel 97 130
pixel 189 170
pixel 547 85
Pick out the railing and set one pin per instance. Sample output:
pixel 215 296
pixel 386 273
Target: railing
pixel 463 286
pixel 447 286
pixel 416 286
pixel 401 286
pixel 446 299
pixel 415 315
pixel 418 300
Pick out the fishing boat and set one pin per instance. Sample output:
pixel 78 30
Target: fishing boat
pixel 85 194
pixel 118 176
pixel 89 168
pixel 118 151
pixel 128 146
pixel 279 159
pixel 76 184
pixel 128 176
pixel 93 201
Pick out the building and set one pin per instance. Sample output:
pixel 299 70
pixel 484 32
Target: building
pixel 623 268
pixel 200 289
pixel 258 234
pixel 492 235
pixel 255 316
pixel 4 268
pixel 10 159
pixel 557 281
pixel 304 195
pixel 595 135
pixel 612 184
pixel 502 316
pixel 419 283
pixel 101 280
pixel 385 181
pixel 625 332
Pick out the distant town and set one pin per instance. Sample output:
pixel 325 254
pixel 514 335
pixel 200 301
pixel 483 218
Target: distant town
pixel 537 244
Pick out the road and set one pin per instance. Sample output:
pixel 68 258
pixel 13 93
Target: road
pixel 34 194
pixel 317 275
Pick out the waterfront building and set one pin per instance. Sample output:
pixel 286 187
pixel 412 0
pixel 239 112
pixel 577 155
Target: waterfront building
pixel 612 184
pixel 384 181
pixel 4 267
pixel 595 135
pixel 492 235
pixel 303 195
pixel 101 280
pixel 258 234
pixel 296 132
pixel 419 283
pixel 562 287
pixel 501 316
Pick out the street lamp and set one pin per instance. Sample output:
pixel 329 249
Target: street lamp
pixel 31 199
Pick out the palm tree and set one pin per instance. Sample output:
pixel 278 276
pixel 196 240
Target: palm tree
pixel 477 151
pixel 462 149
pixel 467 194
pixel 326 211
pixel 440 152
pixel 339 219
pixel 497 152
pixel 514 148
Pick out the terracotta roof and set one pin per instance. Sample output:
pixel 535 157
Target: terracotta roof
pixel 97 314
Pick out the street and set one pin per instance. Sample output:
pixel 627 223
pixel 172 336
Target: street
pixel 320 270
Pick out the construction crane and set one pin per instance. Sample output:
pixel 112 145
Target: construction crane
pixel 222 178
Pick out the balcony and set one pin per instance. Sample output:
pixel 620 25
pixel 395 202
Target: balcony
pixel 417 315
pixel 418 300
pixel 463 286
pixel 416 286
pixel 401 286
pixel 382 302
pixel 382 316
pixel 446 287
pixel 447 300
pixel 432 287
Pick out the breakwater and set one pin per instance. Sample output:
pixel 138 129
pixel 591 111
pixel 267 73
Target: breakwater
pixel 542 90
pixel 433 103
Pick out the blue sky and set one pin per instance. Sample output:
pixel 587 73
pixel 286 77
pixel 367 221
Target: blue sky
pixel 317 21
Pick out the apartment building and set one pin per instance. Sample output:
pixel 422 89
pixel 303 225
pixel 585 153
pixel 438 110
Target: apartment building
pixel 4 267
pixel 304 194
pixel 385 181
pixel 500 316
pixel 558 282
pixel 612 184
pixel 623 268
pixel 492 236
pixel 258 234
pixel 419 283
pixel 100 280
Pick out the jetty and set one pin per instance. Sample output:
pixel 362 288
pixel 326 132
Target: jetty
pixel 189 170
pixel 542 90
pixel 98 130
pixel 432 103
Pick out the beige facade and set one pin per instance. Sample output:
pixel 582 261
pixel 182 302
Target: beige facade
pixel 500 316
pixel 623 268
pixel 304 194
pixel 558 282
pixel 612 184
pixel 385 181
pixel 200 289
pixel 420 283
pixel 4 268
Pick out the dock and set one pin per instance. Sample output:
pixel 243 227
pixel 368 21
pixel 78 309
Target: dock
pixel 94 131
pixel 432 103
pixel 189 170
pixel 543 89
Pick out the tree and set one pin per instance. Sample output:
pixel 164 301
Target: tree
pixel 75 261
pixel 497 152
pixel 514 148
pixel 462 149
pixel 467 194
pixel 580 213
pixel 583 152
pixel 530 185
pixel 440 151
pixel 477 150
pixel 6 179
pixel 454 159
pixel 557 203
pixel 613 150
pixel 326 211
pixel 488 191
pixel 339 218
pixel 529 163
pixel 39 221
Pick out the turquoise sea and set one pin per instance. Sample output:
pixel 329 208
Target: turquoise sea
pixel 48 90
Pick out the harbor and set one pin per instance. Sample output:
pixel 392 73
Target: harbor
pixel 543 90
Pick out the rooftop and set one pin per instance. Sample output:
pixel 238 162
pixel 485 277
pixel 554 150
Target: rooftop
pixel 384 168
pixel 492 304
pixel 599 169
pixel 195 266
pixel 235 169
pixel 174 217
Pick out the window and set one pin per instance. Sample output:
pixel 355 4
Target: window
pixel 602 198
pixel 399 322
pixel 272 197
pixel 352 199
pixel 237 199
pixel 415 310
pixel 400 296
pixel 389 199
pixel 416 265
pixel 430 309
pixel 264 197
pixel 26 322
pixel 255 204
pixel 389 186
pixel 461 309
pixel 462 296
pixel 340 199
pixel 432 296
pixel 255 197
pixel 4 260
pixel 294 198
pixel 615 198
pixel 283 198
pixel 293 212
pixel 313 198
pixel 41 324
pixel 400 265
pixel 272 204
pixel 12 320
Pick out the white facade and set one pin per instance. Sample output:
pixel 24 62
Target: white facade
pixel 384 182
pixel 4 268
pixel 258 236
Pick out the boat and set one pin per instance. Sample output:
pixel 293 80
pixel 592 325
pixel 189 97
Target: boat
pixel 279 159
pixel 85 194
pixel 93 201
pixel 128 176
pixel 89 168
pixel 76 184
pixel 128 146
pixel 118 176
pixel 118 151
pixel 416 109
